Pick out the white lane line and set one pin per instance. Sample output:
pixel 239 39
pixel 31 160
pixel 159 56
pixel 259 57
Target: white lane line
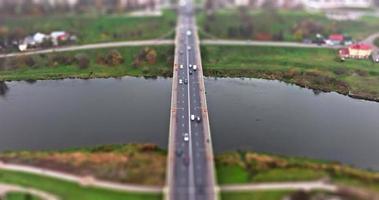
pixel 191 192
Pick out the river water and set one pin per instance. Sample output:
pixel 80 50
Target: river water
pixel 254 114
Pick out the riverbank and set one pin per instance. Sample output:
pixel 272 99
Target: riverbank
pixel 144 164
pixel 318 69
pixel 98 63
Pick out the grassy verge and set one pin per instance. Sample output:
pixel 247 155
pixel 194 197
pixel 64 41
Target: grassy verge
pixel 271 195
pixel 254 167
pixel 280 25
pixel 20 196
pixel 134 61
pixel 134 163
pixel 67 190
pixel 318 69
pixel 92 29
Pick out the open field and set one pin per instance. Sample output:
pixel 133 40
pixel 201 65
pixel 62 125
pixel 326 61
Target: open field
pixel 318 69
pixel 20 196
pixel 95 28
pixel 145 164
pixel 271 195
pixel 280 25
pixel 134 61
pixel 142 164
pixel 259 168
pixel 67 190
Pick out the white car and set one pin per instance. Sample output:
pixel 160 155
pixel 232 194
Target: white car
pixel 189 33
pixel 190 66
pixel 198 119
pixel 180 81
pixel 189 48
pixel 181 66
pixel 192 117
pixel 186 137
pixel 194 67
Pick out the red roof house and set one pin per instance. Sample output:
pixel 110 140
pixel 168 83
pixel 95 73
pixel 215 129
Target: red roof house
pixel 356 51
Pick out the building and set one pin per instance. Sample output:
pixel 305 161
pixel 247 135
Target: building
pixel 356 51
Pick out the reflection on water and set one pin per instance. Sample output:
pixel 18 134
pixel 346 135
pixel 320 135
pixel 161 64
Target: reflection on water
pixel 71 113
pixel 271 116
pixel 261 115
pixel 3 88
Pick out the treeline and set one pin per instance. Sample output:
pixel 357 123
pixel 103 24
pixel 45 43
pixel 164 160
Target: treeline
pixel 81 60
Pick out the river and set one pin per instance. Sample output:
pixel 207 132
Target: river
pixel 260 115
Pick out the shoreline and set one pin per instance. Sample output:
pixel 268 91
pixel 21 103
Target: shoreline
pixel 316 89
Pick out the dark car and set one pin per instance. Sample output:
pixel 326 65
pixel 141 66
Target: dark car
pixel 190 72
pixel 185 81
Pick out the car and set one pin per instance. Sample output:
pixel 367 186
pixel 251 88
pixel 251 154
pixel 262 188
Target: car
pixel 190 72
pixel 192 117
pixel 185 81
pixel 190 65
pixel 180 81
pixel 179 152
pixel 198 119
pixel 189 48
pixel 186 137
pixel 181 66
pixel 194 67
pixel 181 52
pixel 189 33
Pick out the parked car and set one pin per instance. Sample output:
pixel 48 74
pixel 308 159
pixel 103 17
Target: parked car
pixel 194 67
pixel 181 66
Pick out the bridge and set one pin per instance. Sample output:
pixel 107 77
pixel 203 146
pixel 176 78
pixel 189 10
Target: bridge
pixel 190 168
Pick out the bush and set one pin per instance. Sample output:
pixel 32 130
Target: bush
pixel 112 58
pixel 82 61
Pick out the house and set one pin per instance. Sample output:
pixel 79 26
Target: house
pixel 335 39
pixel 59 36
pixel 356 51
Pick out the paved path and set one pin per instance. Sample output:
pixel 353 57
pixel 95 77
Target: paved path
pixel 94 46
pixel 6 188
pixel 264 43
pixel 307 186
pixel 85 181
pixel 371 39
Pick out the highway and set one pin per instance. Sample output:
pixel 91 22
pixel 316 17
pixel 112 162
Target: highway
pixel 190 161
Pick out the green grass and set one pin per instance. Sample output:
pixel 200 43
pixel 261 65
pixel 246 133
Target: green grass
pixel 282 21
pixel 227 174
pixel 92 29
pixel 269 195
pixel 287 175
pixel 46 68
pixel 315 68
pixel 67 190
pixel 20 196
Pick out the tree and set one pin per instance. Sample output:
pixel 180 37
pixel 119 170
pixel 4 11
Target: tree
pixel 151 56
pixel 113 58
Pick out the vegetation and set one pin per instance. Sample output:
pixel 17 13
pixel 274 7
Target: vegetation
pixel 256 167
pixel 68 190
pixel 376 42
pixel 269 195
pixel 90 28
pixel 134 163
pixel 20 196
pixel 134 61
pixel 318 69
pixel 280 25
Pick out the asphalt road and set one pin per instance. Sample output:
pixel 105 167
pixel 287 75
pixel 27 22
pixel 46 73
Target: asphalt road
pixel 192 174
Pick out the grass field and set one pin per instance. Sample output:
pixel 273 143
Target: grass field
pixel 314 68
pixel 143 164
pixel 92 29
pixel 281 25
pixel 67 190
pixel 250 167
pixel 271 195
pixel 20 196
pixel 55 66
